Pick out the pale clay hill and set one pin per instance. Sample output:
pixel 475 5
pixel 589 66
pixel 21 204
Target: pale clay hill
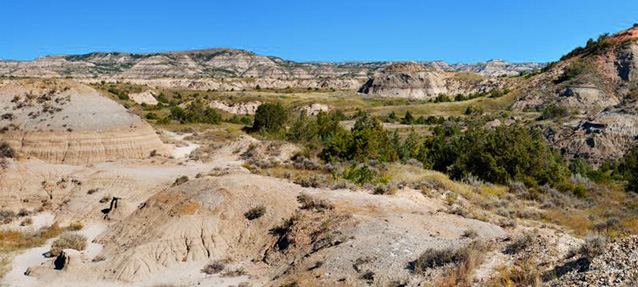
pixel 62 121
pixel 414 81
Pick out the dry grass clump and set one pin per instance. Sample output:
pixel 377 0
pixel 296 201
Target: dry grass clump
pixel 303 177
pixel 105 199
pixel 75 226
pixel 593 246
pixel 310 202
pixel 470 233
pixel 481 194
pixel 462 274
pixel 525 273
pixel 214 267
pixel 433 258
pixel 6 216
pixel 26 222
pixel 234 272
pixel 520 244
pixel 255 212
pixel 180 180
pixel 68 241
pixel 98 258
pixel 465 260
pixel 5 265
pixel 23 212
pixel 315 180
pixel 13 240
pixel 385 189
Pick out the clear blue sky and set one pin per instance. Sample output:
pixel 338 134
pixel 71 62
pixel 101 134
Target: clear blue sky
pixel 301 30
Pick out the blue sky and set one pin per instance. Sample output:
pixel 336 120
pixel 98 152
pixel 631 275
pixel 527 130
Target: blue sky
pixel 452 31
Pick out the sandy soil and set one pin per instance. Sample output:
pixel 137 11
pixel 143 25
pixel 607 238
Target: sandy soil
pixel 181 151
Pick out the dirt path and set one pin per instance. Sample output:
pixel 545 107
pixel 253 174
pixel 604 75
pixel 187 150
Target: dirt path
pixel 181 151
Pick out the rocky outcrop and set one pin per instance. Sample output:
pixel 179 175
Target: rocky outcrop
pixel 247 108
pixel 415 81
pixel 599 86
pixel 606 136
pixel 614 264
pixel 145 97
pixel 314 109
pixel 405 81
pixel 585 97
pixel 61 121
pixel 493 68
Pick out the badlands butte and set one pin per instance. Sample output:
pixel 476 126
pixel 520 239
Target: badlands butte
pixel 222 167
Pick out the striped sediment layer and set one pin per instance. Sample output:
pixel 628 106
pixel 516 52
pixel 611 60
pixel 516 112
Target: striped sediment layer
pixel 81 147
pixel 62 121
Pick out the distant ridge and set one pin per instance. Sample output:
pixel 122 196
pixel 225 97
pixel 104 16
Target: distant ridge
pixel 222 62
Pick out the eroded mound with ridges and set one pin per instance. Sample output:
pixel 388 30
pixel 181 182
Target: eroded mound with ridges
pixel 62 121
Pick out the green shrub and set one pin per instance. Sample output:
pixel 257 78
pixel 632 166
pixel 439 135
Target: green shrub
pixel 303 130
pixel 152 116
pixel 255 212
pixel 408 119
pixel 164 121
pixel 197 112
pixel 573 70
pixel 553 112
pixel 580 191
pixel 500 155
pixel 366 141
pixel 359 174
pixel 631 169
pixel 442 98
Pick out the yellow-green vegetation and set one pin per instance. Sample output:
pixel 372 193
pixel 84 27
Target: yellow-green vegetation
pixel 351 148
pixel 12 241
pixel 349 102
pixel 68 241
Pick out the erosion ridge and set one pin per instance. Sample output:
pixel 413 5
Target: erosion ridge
pixel 224 63
pixel 416 81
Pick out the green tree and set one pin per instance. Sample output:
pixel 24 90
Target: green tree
pixel 302 130
pixel 631 169
pixel 270 117
pixel 366 141
pixel 495 155
pixel 411 147
pixel 328 124
pixel 196 112
pixel 392 117
pixel 408 119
